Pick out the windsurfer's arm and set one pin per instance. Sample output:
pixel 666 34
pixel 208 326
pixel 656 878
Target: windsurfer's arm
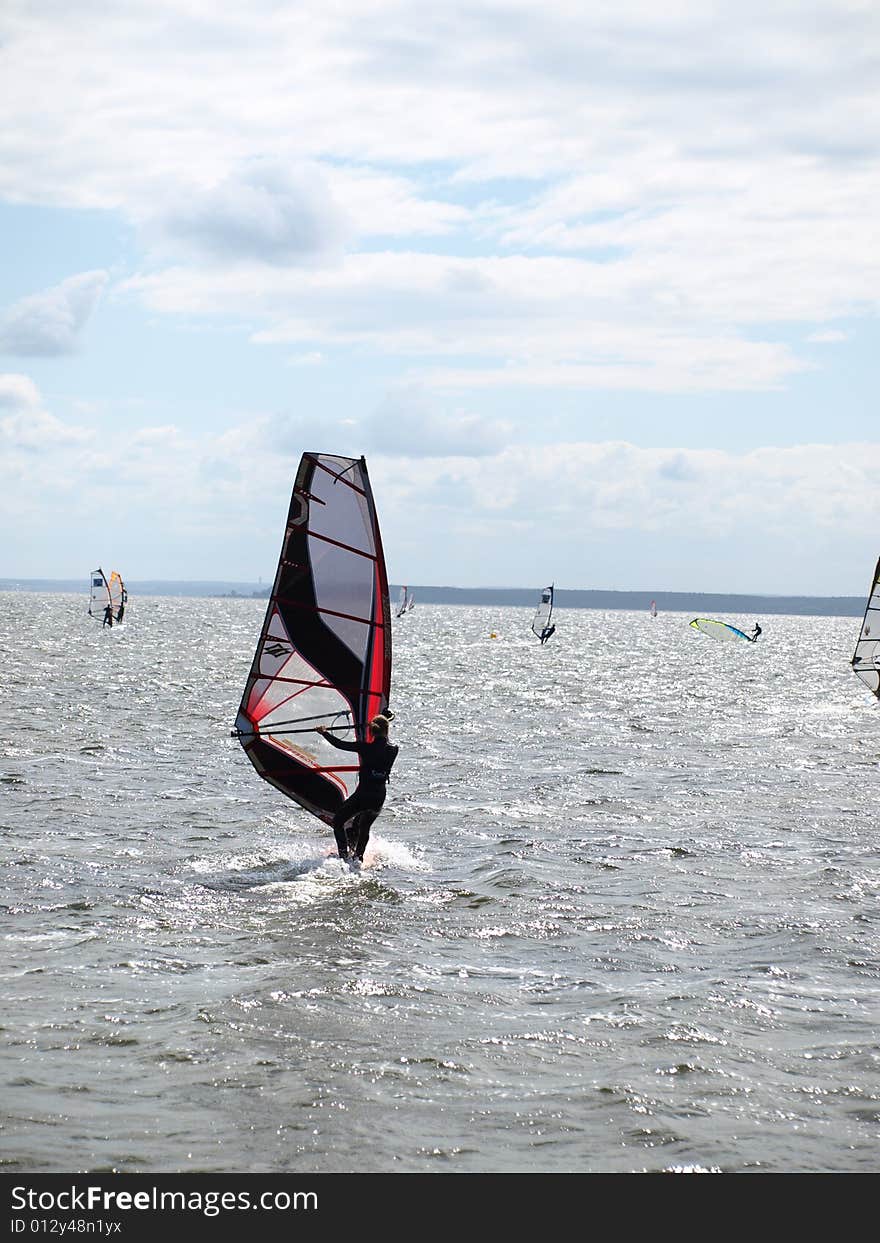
pixel 337 742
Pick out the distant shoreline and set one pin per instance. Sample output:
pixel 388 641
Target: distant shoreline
pixel 697 603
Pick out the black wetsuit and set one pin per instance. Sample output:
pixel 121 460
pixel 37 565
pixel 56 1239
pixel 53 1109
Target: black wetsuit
pixel 546 633
pixel 108 616
pixel 377 759
pixel 757 631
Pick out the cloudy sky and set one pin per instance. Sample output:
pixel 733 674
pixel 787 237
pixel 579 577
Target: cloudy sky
pixel 593 286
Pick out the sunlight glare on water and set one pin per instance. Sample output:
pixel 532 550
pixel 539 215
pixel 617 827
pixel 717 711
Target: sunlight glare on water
pixel 620 912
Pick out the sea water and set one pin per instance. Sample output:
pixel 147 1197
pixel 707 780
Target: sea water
pixel 621 912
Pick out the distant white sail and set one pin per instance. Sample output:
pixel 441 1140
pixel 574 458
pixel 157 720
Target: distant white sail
pixel 866 657
pixel 99 595
pixel 106 593
pixel 542 626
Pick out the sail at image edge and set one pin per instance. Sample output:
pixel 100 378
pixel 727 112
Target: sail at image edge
pixel 866 657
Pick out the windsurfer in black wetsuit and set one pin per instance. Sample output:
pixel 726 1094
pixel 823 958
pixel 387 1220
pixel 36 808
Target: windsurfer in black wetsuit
pixel 108 616
pixel 546 633
pixel 363 806
pixel 754 635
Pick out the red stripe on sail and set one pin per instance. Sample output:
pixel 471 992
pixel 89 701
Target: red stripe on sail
pixel 376 684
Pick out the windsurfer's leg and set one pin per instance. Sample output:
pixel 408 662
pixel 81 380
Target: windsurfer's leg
pixel 348 809
pixel 351 833
pixel 363 824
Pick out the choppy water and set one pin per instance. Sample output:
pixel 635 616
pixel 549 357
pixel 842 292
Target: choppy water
pixel 623 914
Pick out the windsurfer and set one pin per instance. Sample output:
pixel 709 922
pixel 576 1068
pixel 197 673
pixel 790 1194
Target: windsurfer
pixel 108 616
pixel 363 806
pixel 547 632
pixel 119 615
pixel 754 635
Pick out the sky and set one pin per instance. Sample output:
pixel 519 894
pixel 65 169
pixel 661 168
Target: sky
pixel 593 286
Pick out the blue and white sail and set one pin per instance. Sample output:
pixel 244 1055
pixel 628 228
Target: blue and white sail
pixel 718 629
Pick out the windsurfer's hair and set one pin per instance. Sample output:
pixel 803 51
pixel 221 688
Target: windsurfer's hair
pixel 379 725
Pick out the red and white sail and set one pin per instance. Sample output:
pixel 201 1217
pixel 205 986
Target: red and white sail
pixel 324 652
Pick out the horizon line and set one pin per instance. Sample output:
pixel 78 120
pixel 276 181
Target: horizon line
pixel 649 593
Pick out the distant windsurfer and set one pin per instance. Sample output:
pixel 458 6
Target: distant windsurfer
pixel 754 635
pixel 121 612
pixel 363 806
pixel 108 616
pixel 546 633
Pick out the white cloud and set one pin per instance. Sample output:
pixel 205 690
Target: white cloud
pixel 263 211
pixel 674 183
pixel 406 424
pixel 675 199
pixel 33 445
pixel 590 487
pixel 487 322
pixel 464 505
pixel 50 323
pixel 409 425
pixel 600 515
pixel 615 515
pixel 382 205
pixel 286 436
pixel 830 336
pixel 18 392
pixel 36 431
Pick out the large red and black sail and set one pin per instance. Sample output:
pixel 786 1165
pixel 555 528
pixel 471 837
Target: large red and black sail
pixel 324 652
